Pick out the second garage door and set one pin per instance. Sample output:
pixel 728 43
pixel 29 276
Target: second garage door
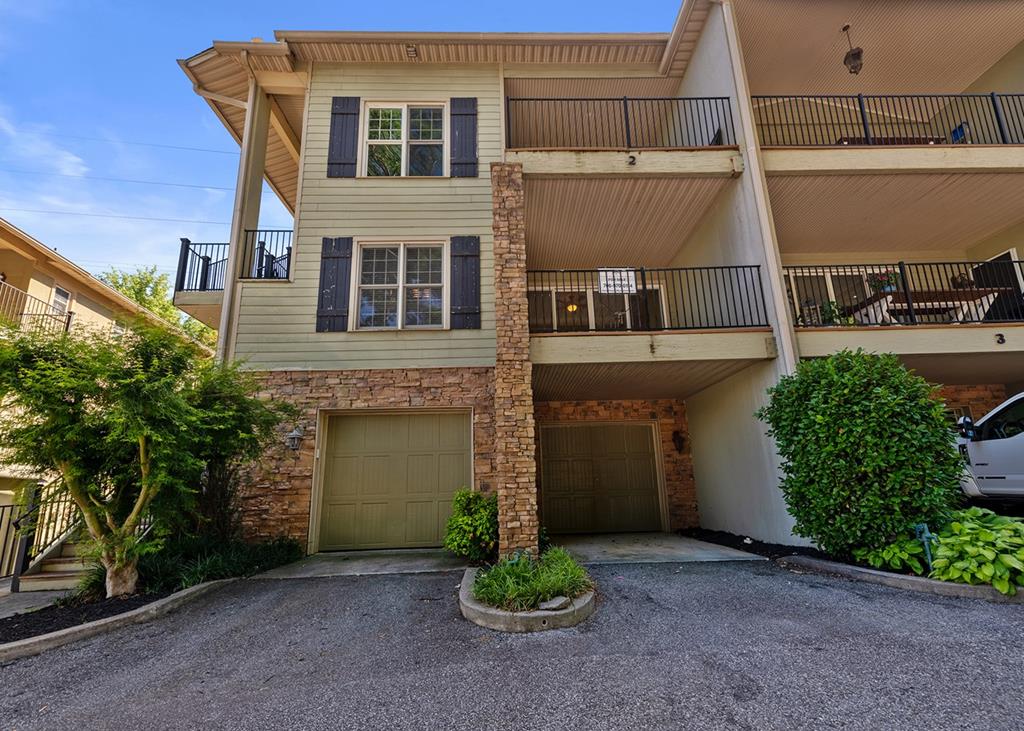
pixel 389 478
pixel 599 478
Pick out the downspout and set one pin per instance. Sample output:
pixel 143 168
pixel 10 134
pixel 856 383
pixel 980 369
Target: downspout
pixel 752 152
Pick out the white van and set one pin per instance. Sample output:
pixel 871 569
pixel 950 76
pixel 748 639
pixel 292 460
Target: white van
pixel 994 450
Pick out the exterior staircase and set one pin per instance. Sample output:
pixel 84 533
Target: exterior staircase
pixel 57 573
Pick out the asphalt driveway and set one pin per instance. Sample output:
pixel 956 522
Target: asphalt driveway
pixel 700 645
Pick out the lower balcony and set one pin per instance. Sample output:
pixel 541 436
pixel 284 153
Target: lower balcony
pixel 644 333
pixel 202 268
pixel 21 310
pixel 953 322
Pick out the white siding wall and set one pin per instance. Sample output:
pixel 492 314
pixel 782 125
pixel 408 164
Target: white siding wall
pixel 277 321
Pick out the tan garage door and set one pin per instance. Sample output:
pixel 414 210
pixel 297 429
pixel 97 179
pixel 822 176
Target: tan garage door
pixel 389 479
pixel 599 478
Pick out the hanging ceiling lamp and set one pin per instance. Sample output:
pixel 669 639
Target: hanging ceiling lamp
pixel 854 58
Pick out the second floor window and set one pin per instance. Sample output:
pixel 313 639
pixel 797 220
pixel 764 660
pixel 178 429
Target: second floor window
pixel 400 286
pixel 404 139
pixel 61 300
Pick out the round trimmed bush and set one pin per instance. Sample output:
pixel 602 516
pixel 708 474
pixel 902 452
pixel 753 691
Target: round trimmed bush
pixel 867 450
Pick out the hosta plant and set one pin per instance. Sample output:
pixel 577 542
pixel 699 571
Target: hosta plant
pixel 980 547
pixel 906 554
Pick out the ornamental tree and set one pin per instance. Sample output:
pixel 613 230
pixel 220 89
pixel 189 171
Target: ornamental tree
pixel 867 451
pixel 130 423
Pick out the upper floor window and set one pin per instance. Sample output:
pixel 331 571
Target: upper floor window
pixel 405 140
pixel 401 286
pixel 61 300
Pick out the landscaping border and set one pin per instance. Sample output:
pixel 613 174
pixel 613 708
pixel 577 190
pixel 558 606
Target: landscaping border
pixel 40 643
pixel 498 619
pixel 920 584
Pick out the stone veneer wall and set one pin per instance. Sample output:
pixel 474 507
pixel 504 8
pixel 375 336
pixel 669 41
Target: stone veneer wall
pixel 515 467
pixel 276 496
pixel 670 415
pixel 980 398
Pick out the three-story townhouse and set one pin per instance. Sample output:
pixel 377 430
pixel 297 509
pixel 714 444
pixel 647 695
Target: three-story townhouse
pixel 565 268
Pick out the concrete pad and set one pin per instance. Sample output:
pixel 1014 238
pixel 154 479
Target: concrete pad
pixel 25 601
pixel 364 563
pixel 647 548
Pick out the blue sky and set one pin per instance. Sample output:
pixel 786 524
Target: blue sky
pixel 81 81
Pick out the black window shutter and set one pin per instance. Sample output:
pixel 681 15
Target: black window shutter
pixel 464 156
pixel 335 279
pixel 344 141
pixel 465 255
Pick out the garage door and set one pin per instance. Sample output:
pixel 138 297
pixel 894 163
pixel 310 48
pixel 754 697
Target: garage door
pixel 389 479
pixel 599 479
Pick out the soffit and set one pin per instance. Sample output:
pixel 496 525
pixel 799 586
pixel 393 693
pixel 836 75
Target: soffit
pixel 910 46
pixel 899 212
pixel 571 88
pixel 579 223
pixel 612 381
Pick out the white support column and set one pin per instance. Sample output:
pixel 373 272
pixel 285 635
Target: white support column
pixel 788 352
pixel 246 214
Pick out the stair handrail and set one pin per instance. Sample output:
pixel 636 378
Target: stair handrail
pixel 57 525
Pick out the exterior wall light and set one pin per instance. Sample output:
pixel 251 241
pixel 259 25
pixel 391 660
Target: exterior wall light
pixel 854 58
pixel 294 437
pixel 679 441
pixel 571 307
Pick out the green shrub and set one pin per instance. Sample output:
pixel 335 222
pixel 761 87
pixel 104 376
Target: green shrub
pixel 472 530
pixel 866 448
pixel 187 561
pixel 521 582
pixel 904 554
pixel 980 547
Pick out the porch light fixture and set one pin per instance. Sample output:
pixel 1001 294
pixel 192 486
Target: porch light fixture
pixel 854 58
pixel 293 438
pixel 411 51
pixel 571 307
pixel 679 441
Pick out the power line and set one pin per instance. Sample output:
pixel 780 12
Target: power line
pixel 140 144
pixel 111 215
pixel 114 180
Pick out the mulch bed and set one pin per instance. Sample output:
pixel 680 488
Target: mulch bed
pixel 750 545
pixel 53 618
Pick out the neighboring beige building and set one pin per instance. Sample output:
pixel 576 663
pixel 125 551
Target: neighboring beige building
pixel 566 267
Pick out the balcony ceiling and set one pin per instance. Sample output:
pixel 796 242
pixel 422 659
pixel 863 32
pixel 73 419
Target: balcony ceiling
pixel 910 46
pixel 898 212
pixel 610 381
pixel 583 223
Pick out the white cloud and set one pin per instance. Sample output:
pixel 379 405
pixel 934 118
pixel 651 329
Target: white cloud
pixel 31 147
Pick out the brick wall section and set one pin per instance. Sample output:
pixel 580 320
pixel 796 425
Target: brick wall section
pixel 276 496
pixel 981 398
pixel 515 467
pixel 680 490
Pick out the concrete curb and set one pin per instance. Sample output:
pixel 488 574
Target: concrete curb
pixel 40 643
pixel 924 585
pixel 498 619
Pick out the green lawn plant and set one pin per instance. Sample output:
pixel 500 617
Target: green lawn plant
pixel 906 554
pixel 521 582
pixel 472 530
pixel 866 450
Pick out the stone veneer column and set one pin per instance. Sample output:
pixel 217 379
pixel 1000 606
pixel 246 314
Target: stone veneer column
pixel 515 466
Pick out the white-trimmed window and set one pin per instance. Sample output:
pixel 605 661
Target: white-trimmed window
pixel 61 300
pixel 404 140
pixel 401 286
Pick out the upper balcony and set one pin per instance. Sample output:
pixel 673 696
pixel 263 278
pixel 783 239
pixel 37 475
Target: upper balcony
pixel 662 135
pixel 202 268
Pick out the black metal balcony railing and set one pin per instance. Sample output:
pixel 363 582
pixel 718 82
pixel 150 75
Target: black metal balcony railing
pixel 266 254
pixel 899 119
pixel 21 310
pixel 201 267
pixel 619 123
pixel 608 300
pixel 906 294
